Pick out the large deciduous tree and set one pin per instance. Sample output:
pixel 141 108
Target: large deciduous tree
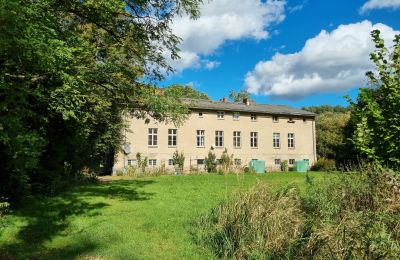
pixel 376 113
pixel 68 70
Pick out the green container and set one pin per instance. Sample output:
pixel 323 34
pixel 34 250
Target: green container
pixel 301 166
pixel 257 166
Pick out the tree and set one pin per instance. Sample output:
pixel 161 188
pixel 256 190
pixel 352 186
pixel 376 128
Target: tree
pixel 69 70
pixel 182 91
pixel 238 96
pixel 327 108
pixel 376 113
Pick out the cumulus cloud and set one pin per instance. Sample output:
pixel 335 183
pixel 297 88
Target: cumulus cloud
pixel 379 4
pixel 221 21
pixel 330 62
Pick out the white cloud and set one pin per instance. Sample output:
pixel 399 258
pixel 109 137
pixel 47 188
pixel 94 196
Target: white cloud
pixel 380 4
pixel 210 65
pixel 330 62
pixel 221 21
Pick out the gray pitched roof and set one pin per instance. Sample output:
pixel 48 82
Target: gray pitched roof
pixel 241 107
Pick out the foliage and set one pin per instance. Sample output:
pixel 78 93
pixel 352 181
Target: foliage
pixel 68 70
pixel 323 164
pixel 141 163
pixel 4 208
pixel 376 113
pixel 179 160
pixel 327 109
pixel 210 162
pixel 182 91
pixel 284 166
pixel 226 161
pixel 350 216
pixel 238 96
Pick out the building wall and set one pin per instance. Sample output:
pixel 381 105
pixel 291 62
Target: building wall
pixel 304 131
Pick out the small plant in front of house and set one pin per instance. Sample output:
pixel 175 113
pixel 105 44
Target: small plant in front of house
pixel 210 162
pixel 226 161
pixel 178 161
pixel 142 163
pixel 284 166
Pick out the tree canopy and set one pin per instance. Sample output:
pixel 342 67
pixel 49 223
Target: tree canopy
pixel 68 70
pixel 184 91
pixel 376 112
pixel 238 96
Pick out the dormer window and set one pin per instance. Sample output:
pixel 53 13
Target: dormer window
pixel 253 117
pixel 220 115
pixel 275 119
pixel 304 120
pixel 291 120
pixel 200 114
pixel 236 116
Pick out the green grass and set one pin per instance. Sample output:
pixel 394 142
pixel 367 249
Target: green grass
pixel 149 218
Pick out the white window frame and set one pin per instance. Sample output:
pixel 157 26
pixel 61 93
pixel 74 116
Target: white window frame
pixel 132 162
pixel 238 161
pixel 254 139
pixel 291 144
pixel 253 117
pixel 275 119
pixel 276 140
pixel 220 115
pixel 172 137
pixel 237 140
pixel 236 116
pixel 277 162
pixel 292 161
pixel 219 138
pixel 152 139
pixel 152 162
pixel 200 138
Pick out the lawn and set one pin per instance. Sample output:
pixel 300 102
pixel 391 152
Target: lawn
pixel 145 218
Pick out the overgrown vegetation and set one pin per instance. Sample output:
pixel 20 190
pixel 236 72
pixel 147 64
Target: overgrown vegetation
pixel 210 162
pixel 178 161
pixel 351 216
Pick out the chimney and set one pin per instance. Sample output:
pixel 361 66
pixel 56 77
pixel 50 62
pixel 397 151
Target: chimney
pixel 224 100
pixel 246 101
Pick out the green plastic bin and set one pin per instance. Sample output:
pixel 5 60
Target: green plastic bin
pixel 301 166
pixel 257 166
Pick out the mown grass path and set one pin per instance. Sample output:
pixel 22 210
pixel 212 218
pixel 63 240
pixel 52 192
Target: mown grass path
pixel 145 218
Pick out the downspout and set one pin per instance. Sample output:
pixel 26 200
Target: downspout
pixel 314 140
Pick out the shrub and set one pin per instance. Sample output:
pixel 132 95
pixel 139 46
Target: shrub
pixel 284 166
pixel 210 162
pixel 226 162
pixel 4 207
pixel 179 161
pixel 324 164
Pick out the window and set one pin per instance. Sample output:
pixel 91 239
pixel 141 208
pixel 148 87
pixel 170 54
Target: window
pixel 131 162
pixel 152 162
pixel 276 140
pixel 291 161
pixel 170 161
pixel 236 115
pixel 152 141
pixel 236 139
pixel 200 138
pixel 220 115
pixel 275 119
pixel 291 120
pixel 238 162
pixel 200 161
pixel 253 139
pixel 290 140
pixel 253 117
pixel 200 114
pixel 172 134
pixel 308 161
pixel 277 161
pixel 219 138
pixel 304 120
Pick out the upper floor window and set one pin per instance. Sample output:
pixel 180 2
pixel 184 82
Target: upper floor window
pixel 219 138
pixel 200 138
pixel 275 119
pixel 236 139
pixel 236 115
pixel 253 139
pixel 200 114
pixel 220 115
pixel 290 140
pixel 253 117
pixel 276 140
pixel 172 137
pixel 152 137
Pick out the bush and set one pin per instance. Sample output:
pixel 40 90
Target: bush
pixel 179 161
pixel 324 164
pixel 4 208
pixel 284 166
pixel 226 162
pixel 210 162
pixel 351 216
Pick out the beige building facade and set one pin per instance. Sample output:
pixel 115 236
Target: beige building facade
pixel 248 131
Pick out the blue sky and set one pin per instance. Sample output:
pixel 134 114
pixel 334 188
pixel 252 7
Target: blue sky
pixel 294 52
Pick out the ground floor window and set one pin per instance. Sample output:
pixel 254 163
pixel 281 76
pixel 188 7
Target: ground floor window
pixel 131 162
pixel 170 162
pixel 200 161
pixel 238 162
pixel 291 161
pixel 277 161
pixel 152 162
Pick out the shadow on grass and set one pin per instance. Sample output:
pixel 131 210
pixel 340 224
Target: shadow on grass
pixel 51 217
